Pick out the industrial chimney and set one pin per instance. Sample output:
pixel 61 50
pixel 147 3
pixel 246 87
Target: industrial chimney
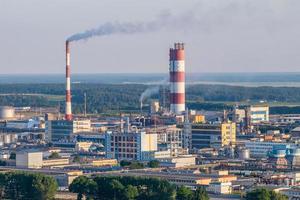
pixel 68 114
pixel 177 79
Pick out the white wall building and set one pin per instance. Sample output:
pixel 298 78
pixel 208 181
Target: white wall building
pixel 220 187
pixel 8 138
pixel 259 113
pixel 260 149
pixel 28 159
pixel 181 161
pixel 133 145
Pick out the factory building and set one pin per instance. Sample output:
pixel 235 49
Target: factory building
pixel 170 139
pixel 177 79
pixel 259 113
pixel 29 159
pixel 130 145
pixel 213 135
pixel 58 130
pixel 7 112
pixel 181 161
pixel 261 149
pixel 8 138
pixel 24 124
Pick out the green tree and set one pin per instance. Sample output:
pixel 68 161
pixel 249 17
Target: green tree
pixel 200 194
pixel 3 181
pixel 136 165
pixel 76 159
pixel 153 164
pixel 3 163
pixel 278 196
pixel 130 192
pixel 264 194
pixel 54 155
pixel 124 163
pixel 35 186
pixel 184 193
pixel 117 188
pixel 83 186
pixel 148 188
pixel 44 187
pixel 258 194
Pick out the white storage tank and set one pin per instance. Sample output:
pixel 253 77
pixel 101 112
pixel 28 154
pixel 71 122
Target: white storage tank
pixel 244 154
pixel 154 107
pixel 7 112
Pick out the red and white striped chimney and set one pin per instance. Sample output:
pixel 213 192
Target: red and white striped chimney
pixel 177 79
pixel 68 114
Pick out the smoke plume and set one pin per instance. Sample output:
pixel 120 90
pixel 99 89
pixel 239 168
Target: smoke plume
pixel 149 92
pixel 152 90
pixel 164 20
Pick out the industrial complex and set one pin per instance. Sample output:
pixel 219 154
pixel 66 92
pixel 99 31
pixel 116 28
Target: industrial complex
pixel 228 153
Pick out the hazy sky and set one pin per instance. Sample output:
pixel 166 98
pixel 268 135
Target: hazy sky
pixel 220 35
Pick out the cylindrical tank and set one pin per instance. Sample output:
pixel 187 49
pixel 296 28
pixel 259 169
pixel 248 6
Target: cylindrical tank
pixel 244 154
pixel 7 112
pixel 278 153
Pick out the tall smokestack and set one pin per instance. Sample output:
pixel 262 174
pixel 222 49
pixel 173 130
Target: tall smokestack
pixel 68 114
pixel 177 79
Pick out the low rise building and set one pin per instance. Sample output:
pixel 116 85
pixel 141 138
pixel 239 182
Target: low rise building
pixel 56 162
pixel 198 118
pixel 58 130
pixel 261 149
pixel 292 193
pixel 103 162
pixel 220 187
pixel 181 161
pixel 8 138
pixel 83 146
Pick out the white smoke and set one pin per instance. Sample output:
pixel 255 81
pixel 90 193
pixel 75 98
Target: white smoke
pixel 152 90
pixel 148 93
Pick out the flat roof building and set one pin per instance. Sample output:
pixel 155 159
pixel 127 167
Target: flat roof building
pixel 213 135
pixel 57 130
pixel 29 159
pixel 132 145
pixel 259 113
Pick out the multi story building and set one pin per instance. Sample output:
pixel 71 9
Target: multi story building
pixel 259 113
pixel 130 145
pixel 57 130
pixel 259 149
pixel 213 135
pixel 170 138
pixel 228 133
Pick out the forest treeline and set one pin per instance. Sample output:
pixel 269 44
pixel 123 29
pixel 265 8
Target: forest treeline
pixel 23 185
pixel 132 188
pixel 106 97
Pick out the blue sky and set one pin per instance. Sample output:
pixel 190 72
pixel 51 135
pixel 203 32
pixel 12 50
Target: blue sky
pixel 220 36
